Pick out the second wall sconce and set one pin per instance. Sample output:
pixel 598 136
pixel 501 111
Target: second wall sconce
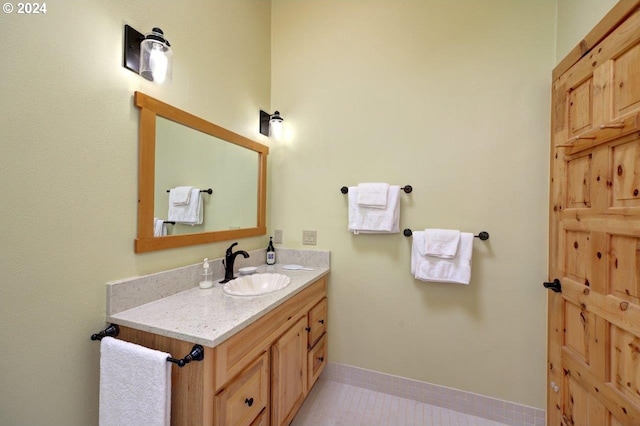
pixel 271 124
pixel 149 55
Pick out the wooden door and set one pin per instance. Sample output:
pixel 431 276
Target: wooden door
pixel 289 373
pixel 594 320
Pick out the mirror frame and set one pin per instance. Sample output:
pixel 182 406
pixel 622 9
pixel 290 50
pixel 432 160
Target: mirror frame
pixel 150 108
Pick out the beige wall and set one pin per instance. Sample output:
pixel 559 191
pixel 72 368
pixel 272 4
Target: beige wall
pixel 452 98
pixel 68 170
pixel 575 18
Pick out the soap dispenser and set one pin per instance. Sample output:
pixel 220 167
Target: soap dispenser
pixel 206 275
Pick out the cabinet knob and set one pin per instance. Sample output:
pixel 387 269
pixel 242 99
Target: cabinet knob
pixel 321 321
pixel 321 359
pixel 308 328
pixel 249 401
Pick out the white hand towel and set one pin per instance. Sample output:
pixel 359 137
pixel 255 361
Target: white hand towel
pixel 435 269
pixel 375 221
pixel 159 227
pixel 180 195
pixel 441 242
pixel 135 385
pixel 190 214
pixel 373 195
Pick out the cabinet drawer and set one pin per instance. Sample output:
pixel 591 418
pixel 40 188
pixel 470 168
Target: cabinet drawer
pixel 317 360
pixel 245 397
pixel 317 322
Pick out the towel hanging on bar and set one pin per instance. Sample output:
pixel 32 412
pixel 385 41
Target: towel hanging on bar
pixel 482 235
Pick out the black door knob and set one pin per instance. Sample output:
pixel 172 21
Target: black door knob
pixel 249 401
pixel 555 286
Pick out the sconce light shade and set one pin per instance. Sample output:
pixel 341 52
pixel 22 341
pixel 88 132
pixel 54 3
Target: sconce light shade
pixel 271 124
pixel 276 125
pixel 150 56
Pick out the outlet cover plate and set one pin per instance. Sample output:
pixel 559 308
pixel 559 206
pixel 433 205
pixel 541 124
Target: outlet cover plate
pixel 277 236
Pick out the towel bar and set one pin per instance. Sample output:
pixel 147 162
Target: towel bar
pixel 482 235
pixel 196 354
pixel 170 222
pixel 407 189
pixel 112 331
pixel 208 191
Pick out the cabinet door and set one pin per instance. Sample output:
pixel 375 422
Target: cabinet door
pixel 245 397
pixel 317 322
pixel 289 373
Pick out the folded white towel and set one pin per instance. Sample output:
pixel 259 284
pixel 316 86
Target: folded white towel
pixel 135 385
pixel 375 221
pixel 190 214
pixel 373 195
pixel 429 268
pixel 180 195
pixel 159 227
pixel 441 242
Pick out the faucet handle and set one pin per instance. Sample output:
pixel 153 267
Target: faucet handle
pixel 230 249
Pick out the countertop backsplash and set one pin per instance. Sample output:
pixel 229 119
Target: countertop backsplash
pixel 135 291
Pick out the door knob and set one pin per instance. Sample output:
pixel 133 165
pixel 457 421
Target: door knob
pixel 555 285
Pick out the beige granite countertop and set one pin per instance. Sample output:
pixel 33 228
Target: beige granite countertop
pixel 209 317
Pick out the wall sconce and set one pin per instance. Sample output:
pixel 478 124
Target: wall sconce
pixel 150 56
pixel 271 125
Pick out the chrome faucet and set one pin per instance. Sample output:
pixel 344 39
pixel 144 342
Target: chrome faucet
pixel 229 259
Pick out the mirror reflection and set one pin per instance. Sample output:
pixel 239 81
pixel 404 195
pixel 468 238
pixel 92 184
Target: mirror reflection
pixel 180 151
pixel 189 158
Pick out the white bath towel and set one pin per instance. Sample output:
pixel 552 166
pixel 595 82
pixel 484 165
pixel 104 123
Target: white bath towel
pixel 436 269
pixel 135 385
pixel 159 227
pixel 373 195
pixel 441 242
pixel 190 214
pixel 375 221
pixel 180 195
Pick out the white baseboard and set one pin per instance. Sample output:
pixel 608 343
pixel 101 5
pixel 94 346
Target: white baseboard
pixel 486 407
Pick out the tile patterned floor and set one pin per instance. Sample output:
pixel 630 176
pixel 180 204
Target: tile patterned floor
pixel 337 404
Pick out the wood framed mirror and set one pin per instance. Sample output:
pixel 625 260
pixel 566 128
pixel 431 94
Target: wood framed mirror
pixel 177 148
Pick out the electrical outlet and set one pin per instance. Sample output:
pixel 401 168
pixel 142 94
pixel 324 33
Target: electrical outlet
pixel 309 237
pixel 277 236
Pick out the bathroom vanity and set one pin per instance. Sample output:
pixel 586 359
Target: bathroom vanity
pixel 262 354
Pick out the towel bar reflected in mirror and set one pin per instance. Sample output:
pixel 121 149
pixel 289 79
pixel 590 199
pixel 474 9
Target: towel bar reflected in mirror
pixel 208 191
pixel 407 189
pixel 482 235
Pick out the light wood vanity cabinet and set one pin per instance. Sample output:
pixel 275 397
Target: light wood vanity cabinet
pixel 259 376
pixel 317 354
pixel 289 373
pixel 246 396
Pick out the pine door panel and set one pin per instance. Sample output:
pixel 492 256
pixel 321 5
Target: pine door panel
pixel 594 322
pixel 626 82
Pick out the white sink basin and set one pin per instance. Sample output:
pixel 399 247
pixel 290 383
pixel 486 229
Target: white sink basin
pixel 256 284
